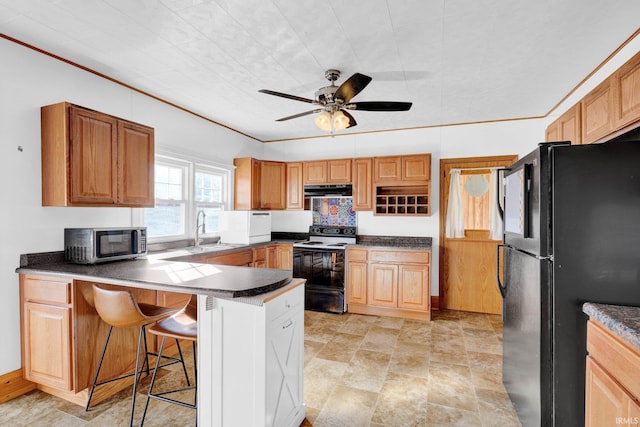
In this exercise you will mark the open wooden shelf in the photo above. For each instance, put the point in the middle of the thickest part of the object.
(403, 200)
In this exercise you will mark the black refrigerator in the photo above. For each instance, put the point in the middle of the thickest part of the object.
(571, 234)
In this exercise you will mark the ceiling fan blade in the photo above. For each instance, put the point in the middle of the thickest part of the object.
(351, 87)
(295, 116)
(352, 121)
(286, 95)
(380, 106)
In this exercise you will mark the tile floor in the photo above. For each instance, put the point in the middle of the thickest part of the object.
(359, 371)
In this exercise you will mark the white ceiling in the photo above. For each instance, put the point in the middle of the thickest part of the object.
(458, 61)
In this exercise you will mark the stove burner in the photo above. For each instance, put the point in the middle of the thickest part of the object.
(311, 243)
(337, 244)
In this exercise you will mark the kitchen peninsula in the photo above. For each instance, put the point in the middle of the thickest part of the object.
(250, 330)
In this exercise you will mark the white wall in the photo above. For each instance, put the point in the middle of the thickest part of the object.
(29, 80)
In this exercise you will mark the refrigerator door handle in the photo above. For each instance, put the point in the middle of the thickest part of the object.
(499, 191)
(501, 287)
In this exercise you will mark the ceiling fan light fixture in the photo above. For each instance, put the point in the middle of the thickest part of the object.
(340, 120)
(323, 121)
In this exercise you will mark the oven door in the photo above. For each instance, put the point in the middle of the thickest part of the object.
(323, 270)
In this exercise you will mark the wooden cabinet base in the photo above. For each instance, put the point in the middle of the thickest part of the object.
(388, 312)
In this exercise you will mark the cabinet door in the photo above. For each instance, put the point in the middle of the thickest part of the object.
(93, 157)
(568, 126)
(597, 120)
(626, 89)
(356, 286)
(605, 401)
(284, 366)
(315, 172)
(552, 134)
(416, 168)
(273, 192)
(285, 257)
(246, 194)
(413, 287)
(362, 184)
(387, 168)
(295, 196)
(383, 289)
(135, 165)
(339, 171)
(47, 345)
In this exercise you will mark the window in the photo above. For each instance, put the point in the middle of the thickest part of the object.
(183, 188)
(209, 197)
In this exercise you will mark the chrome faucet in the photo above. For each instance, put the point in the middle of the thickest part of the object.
(196, 240)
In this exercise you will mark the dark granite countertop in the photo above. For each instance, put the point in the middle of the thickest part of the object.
(159, 274)
(399, 242)
(623, 321)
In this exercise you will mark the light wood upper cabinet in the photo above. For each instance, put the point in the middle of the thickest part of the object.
(135, 164)
(259, 184)
(335, 171)
(402, 169)
(387, 168)
(362, 184)
(93, 159)
(597, 113)
(567, 127)
(273, 185)
(247, 183)
(295, 194)
(626, 93)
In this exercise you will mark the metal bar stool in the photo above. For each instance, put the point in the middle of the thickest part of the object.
(181, 326)
(118, 308)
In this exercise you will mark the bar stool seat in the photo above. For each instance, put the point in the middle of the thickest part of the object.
(118, 308)
(181, 326)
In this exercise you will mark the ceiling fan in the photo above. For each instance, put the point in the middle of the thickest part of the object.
(334, 101)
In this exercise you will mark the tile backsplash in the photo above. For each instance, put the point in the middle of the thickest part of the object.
(333, 211)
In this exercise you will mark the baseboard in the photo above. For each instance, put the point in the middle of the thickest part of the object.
(12, 385)
(435, 302)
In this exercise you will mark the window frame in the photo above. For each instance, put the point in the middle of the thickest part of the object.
(191, 165)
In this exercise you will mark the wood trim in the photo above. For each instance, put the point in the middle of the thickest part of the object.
(435, 302)
(13, 384)
(388, 312)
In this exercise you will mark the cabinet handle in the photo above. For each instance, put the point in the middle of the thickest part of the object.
(286, 325)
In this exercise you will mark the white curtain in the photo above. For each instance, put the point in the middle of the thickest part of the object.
(495, 222)
(455, 215)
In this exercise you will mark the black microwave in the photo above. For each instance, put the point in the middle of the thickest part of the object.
(93, 245)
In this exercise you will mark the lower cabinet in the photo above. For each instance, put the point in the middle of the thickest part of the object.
(256, 380)
(389, 282)
(47, 345)
(612, 387)
(63, 336)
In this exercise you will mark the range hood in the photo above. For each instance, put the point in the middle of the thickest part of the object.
(328, 190)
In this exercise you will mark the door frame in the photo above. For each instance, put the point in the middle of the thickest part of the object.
(445, 167)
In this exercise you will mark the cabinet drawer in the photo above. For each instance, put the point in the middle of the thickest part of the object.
(46, 290)
(401, 257)
(620, 360)
(240, 258)
(357, 254)
(285, 304)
